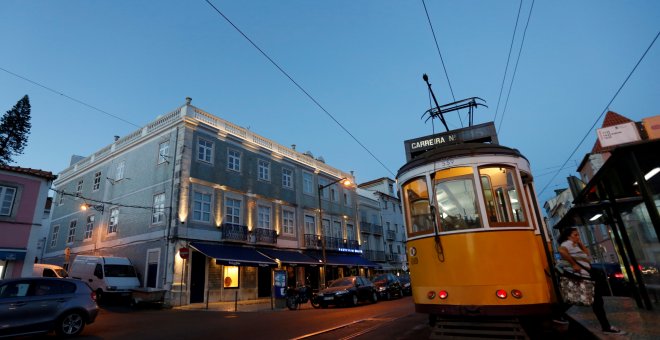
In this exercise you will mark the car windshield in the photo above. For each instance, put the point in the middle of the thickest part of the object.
(61, 272)
(346, 281)
(379, 279)
(404, 279)
(119, 270)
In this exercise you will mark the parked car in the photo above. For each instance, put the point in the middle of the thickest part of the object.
(405, 284)
(388, 286)
(48, 270)
(615, 277)
(108, 276)
(40, 305)
(348, 291)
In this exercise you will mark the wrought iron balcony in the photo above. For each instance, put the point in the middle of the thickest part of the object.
(233, 232)
(262, 235)
(313, 241)
(391, 235)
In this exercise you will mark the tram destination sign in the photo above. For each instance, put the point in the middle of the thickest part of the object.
(482, 133)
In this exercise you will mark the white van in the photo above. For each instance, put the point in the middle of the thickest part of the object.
(48, 270)
(105, 274)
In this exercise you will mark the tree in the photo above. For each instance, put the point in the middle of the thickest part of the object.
(14, 130)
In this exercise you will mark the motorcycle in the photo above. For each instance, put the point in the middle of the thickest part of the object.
(297, 296)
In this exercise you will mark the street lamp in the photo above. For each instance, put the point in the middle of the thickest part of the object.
(97, 207)
(345, 182)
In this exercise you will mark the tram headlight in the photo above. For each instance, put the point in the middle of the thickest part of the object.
(501, 293)
(516, 293)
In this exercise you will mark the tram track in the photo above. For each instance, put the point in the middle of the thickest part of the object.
(355, 328)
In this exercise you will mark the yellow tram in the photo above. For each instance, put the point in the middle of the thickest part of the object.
(476, 244)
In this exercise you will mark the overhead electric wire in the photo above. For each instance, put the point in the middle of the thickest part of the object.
(299, 86)
(602, 113)
(515, 69)
(86, 199)
(441, 59)
(508, 58)
(69, 97)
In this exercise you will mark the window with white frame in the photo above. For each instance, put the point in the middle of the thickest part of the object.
(323, 182)
(72, 231)
(336, 230)
(7, 195)
(114, 220)
(288, 222)
(232, 211)
(97, 181)
(347, 199)
(308, 183)
(350, 231)
(79, 188)
(263, 169)
(201, 207)
(163, 152)
(310, 224)
(158, 215)
(287, 178)
(333, 193)
(233, 160)
(326, 228)
(54, 236)
(119, 174)
(60, 201)
(205, 150)
(263, 217)
(89, 227)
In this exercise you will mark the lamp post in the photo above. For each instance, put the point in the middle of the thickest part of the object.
(97, 207)
(346, 182)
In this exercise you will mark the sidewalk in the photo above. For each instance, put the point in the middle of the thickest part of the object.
(240, 306)
(623, 313)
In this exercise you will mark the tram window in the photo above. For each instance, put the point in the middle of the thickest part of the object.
(501, 196)
(416, 201)
(457, 204)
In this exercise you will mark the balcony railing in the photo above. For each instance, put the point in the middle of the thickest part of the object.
(313, 241)
(262, 235)
(390, 257)
(233, 232)
(391, 235)
(374, 255)
(371, 228)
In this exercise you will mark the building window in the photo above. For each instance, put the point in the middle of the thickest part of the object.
(310, 225)
(263, 217)
(53, 238)
(287, 178)
(89, 227)
(7, 195)
(72, 231)
(97, 181)
(204, 150)
(390, 187)
(308, 183)
(333, 193)
(79, 188)
(159, 209)
(163, 152)
(60, 201)
(324, 192)
(336, 229)
(263, 169)
(201, 207)
(288, 222)
(114, 220)
(233, 160)
(398, 249)
(119, 175)
(232, 211)
(230, 275)
(350, 232)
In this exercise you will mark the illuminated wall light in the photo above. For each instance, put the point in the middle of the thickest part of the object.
(597, 216)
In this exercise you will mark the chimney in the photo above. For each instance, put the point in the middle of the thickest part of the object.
(116, 138)
(188, 100)
(293, 146)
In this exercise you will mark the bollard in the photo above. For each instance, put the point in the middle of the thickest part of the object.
(207, 299)
(236, 301)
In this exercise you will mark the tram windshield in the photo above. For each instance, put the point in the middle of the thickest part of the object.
(501, 193)
(457, 200)
(416, 201)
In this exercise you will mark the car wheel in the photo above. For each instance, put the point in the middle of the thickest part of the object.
(70, 324)
(354, 300)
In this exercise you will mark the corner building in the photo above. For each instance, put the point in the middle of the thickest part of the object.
(207, 210)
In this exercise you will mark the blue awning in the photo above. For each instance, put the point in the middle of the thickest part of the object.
(234, 255)
(288, 256)
(12, 254)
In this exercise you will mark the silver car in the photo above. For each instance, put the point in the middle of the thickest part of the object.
(40, 305)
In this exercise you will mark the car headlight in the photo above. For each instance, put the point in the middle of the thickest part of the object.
(341, 292)
(111, 288)
(406, 285)
(380, 289)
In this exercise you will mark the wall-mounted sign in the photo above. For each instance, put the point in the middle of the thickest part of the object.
(618, 134)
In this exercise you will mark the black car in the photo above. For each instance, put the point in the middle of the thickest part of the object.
(406, 285)
(388, 286)
(348, 291)
(615, 278)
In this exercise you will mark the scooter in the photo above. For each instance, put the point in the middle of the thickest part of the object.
(297, 296)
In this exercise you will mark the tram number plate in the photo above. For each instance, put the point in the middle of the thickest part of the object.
(445, 162)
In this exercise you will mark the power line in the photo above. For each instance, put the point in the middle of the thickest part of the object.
(508, 58)
(506, 103)
(299, 87)
(86, 199)
(441, 59)
(604, 110)
(69, 97)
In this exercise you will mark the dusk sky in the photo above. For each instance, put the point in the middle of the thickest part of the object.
(96, 69)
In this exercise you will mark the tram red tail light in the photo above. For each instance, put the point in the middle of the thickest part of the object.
(443, 294)
(516, 293)
(430, 295)
(501, 293)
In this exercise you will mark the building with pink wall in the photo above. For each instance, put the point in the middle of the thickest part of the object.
(23, 195)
